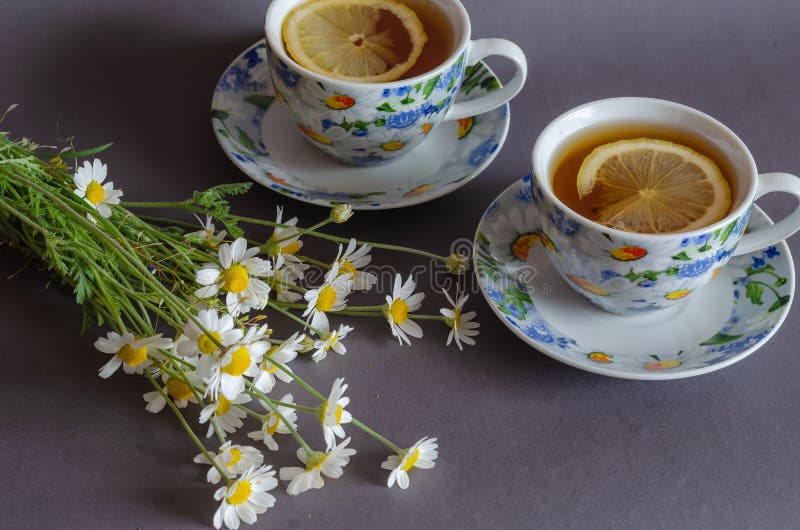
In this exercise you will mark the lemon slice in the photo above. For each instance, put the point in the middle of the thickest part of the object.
(371, 41)
(653, 186)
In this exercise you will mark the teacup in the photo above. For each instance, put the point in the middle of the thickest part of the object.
(625, 272)
(373, 123)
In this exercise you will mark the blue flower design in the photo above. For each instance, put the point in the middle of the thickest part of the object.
(479, 155)
(360, 132)
(242, 158)
(722, 254)
(252, 57)
(696, 268)
(403, 120)
(495, 295)
(645, 283)
(537, 330)
(743, 344)
(524, 194)
(771, 252)
(564, 343)
(289, 77)
(758, 262)
(327, 124)
(447, 77)
(400, 92)
(568, 227)
(607, 274)
(736, 294)
(741, 223)
(492, 207)
(701, 240)
(237, 78)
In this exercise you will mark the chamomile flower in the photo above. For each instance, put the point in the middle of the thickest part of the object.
(246, 498)
(282, 354)
(332, 414)
(402, 302)
(133, 354)
(179, 391)
(330, 296)
(421, 455)
(316, 464)
(224, 414)
(287, 243)
(239, 274)
(331, 341)
(221, 328)
(208, 236)
(273, 424)
(240, 360)
(284, 281)
(89, 186)
(463, 328)
(234, 459)
(354, 259)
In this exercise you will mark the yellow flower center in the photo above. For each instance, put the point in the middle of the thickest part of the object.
(326, 298)
(223, 406)
(235, 279)
(132, 356)
(345, 267)
(236, 455)
(411, 460)
(291, 248)
(315, 460)
(206, 345)
(456, 318)
(338, 415)
(332, 342)
(241, 493)
(399, 311)
(267, 366)
(95, 192)
(272, 429)
(178, 389)
(240, 362)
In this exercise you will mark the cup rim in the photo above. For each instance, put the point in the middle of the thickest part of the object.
(458, 49)
(736, 213)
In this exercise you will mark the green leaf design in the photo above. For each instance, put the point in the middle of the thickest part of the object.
(754, 292)
(224, 133)
(780, 282)
(672, 271)
(245, 139)
(482, 239)
(780, 302)
(704, 248)
(259, 100)
(430, 85)
(219, 114)
(720, 338)
(682, 256)
(386, 108)
(490, 84)
(726, 232)
(407, 100)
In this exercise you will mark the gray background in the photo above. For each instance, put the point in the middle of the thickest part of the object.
(525, 441)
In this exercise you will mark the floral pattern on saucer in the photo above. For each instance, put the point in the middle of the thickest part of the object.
(241, 106)
(762, 284)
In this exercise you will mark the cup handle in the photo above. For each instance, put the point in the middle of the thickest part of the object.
(764, 237)
(478, 49)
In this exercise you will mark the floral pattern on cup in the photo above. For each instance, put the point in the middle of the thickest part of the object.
(344, 123)
(621, 274)
(761, 289)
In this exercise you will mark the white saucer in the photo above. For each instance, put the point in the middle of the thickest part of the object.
(261, 139)
(742, 307)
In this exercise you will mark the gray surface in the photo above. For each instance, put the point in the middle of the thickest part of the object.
(525, 441)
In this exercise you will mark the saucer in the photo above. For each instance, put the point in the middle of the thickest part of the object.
(261, 139)
(730, 318)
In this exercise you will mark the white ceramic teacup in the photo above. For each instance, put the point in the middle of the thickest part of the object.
(372, 123)
(625, 272)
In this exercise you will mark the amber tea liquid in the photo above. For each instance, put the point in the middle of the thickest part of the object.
(573, 153)
(440, 37)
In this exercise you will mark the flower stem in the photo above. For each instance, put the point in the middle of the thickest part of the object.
(377, 436)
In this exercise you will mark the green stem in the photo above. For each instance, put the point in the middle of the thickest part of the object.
(377, 436)
(277, 412)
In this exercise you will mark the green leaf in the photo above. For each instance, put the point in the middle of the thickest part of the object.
(490, 84)
(79, 154)
(224, 133)
(723, 237)
(754, 292)
(720, 338)
(672, 271)
(632, 276)
(430, 85)
(260, 100)
(219, 114)
(682, 256)
(245, 140)
(704, 248)
(386, 108)
(780, 282)
(407, 100)
(780, 302)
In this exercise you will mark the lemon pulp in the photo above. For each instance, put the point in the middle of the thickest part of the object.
(653, 186)
(354, 40)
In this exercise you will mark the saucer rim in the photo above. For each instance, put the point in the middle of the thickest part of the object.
(622, 374)
(401, 203)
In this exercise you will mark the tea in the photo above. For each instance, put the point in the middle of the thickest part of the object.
(573, 154)
(440, 37)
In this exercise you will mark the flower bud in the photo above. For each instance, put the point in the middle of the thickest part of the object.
(307, 344)
(341, 213)
(457, 263)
